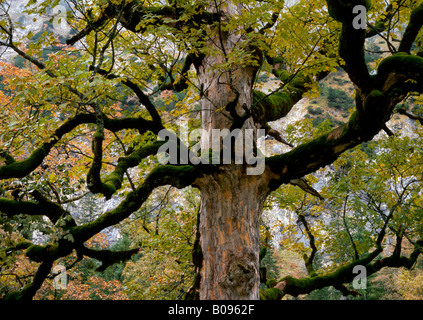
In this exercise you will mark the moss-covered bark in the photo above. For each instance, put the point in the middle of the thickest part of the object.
(413, 28)
(343, 275)
(316, 154)
(277, 105)
(351, 44)
(113, 181)
(19, 246)
(12, 208)
(20, 169)
(28, 292)
(342, 11)
(400, 74)
(107, 257)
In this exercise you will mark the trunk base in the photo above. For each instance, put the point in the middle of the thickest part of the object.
(229, 229)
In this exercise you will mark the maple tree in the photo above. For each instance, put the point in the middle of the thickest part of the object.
(77, 103)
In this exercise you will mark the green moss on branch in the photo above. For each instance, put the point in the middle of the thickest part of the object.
(401, 71)
(29, 291)
(19, 246)
(271, 294)
(107, 257)
(412, 30)
(43, 253)
(20, 169)
(342, 11)
(113, 181)
(277, 105)
(12, 208)
(343, 275)
(351, 44)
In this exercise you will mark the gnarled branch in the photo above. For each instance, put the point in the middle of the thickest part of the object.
(413, 28)
(20, 169)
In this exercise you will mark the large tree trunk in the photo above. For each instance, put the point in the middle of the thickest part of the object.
(232, 201)
(231, 206)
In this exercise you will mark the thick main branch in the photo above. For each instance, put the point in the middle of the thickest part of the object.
(20, 169)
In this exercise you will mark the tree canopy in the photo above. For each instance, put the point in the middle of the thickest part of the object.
(81, 113)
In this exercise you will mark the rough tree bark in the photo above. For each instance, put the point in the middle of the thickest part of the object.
(231, 206)
(231, 200)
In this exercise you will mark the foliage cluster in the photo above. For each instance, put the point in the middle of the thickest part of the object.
(365, 190)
